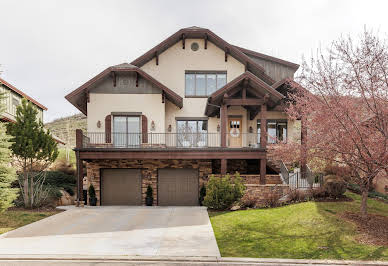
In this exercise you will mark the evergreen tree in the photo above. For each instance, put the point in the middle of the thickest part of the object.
(7, 173)
(33, 147)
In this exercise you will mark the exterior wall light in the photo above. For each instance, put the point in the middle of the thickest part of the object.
(98, 124)
(218, 128)
(169, 128)
(152, 126)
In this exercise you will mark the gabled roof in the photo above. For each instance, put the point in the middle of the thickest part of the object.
(267, 57)
(19, 92)
(78, 97)
(202, 33)
(260, 87)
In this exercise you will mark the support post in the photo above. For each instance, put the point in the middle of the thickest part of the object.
(263, 126)
(263, 142)
(303, 148)
(263, 170)
(223, 116)
(224, 166)
(80, 171)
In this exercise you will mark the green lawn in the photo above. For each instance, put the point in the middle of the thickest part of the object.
(13, 219)
(310, 230)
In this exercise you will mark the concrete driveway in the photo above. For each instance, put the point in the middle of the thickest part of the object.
(132, 231)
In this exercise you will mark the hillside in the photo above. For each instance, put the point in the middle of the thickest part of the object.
(64, 128)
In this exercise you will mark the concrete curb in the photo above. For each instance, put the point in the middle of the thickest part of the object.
(171, 259)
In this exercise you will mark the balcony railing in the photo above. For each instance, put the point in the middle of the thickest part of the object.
(166, 140)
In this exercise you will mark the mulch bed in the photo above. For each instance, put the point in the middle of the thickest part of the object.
(41, 209)
(373, 230)
(340, 199)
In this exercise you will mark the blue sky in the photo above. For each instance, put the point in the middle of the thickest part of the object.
(49, 48)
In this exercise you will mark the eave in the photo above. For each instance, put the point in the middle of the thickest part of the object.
(78, 97)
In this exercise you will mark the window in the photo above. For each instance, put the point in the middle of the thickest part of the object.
(15, 104)
(276, 131)
(191, 133)
(126, 131)
(203, 84)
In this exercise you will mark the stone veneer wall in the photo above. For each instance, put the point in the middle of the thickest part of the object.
(149, 171)
(262, 192)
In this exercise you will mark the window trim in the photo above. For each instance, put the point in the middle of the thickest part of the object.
(276, 121)
(203, 72)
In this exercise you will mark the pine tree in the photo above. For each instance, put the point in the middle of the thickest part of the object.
(7, 173)
(33, 147)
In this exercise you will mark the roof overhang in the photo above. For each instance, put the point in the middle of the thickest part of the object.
(78, 97)
(258, 87)
(201, 33)
(19, 92)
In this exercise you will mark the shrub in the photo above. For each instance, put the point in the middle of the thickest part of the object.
(248, 201)
(59, 180)
(202, 194)
(222, 192)
(297, 195)
(92, 192)
(334, 186)
(272, 200)
(318, 193)
(149, 196)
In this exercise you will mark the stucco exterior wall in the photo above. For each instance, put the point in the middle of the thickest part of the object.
(171, 72)
(101, 105)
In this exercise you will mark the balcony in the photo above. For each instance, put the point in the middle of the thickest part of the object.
(166, 140)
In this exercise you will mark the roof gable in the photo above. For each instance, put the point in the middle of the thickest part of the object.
(79, 96)
(207, 35)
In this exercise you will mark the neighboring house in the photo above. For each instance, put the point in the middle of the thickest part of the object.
(12, 97)
(192, 106)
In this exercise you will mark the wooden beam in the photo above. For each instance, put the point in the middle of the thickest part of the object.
(226, 54)
(244, 93)
(263, 126)
(87, 97)
(253, 113)
(263, 170)
(80, 177)
(221, 153)
(240, 102)
(157, 58)
(183, 40)
(224, 166)
(137, 79)
(163, 97)
(206, 40)
(223, 115)
(114, 78)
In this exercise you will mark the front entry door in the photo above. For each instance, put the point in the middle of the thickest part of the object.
(234, 133)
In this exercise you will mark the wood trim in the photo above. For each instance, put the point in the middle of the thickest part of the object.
(191, 118)
(126, 113)
(206, 72)
(239, 102)
(222, 153)
(144, 129)
(108, 129)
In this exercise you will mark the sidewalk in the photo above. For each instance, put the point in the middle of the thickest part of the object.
(157, 260)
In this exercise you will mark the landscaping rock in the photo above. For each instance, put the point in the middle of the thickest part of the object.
(235, 208)
(65, 199)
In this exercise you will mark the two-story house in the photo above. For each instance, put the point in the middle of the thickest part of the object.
(11, 98)
(192, 106)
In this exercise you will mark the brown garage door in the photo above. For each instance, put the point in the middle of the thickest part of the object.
(121, 187)
(178, 187)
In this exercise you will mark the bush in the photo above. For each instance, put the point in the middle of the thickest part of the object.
(334, 186)
(272, 200)
(202, 194)
(248, 201)
(297, 195)
(222, 192)
(63, 166)
(318, 193)
(59, 180)
(92, 192)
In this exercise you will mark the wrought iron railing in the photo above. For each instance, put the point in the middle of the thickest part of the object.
(166, 140)
(295, 179)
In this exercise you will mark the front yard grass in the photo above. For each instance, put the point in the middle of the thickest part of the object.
(12, 219)
(309, 230)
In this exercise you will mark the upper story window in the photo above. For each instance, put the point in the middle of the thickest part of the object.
(202, 83)
(276, 131)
